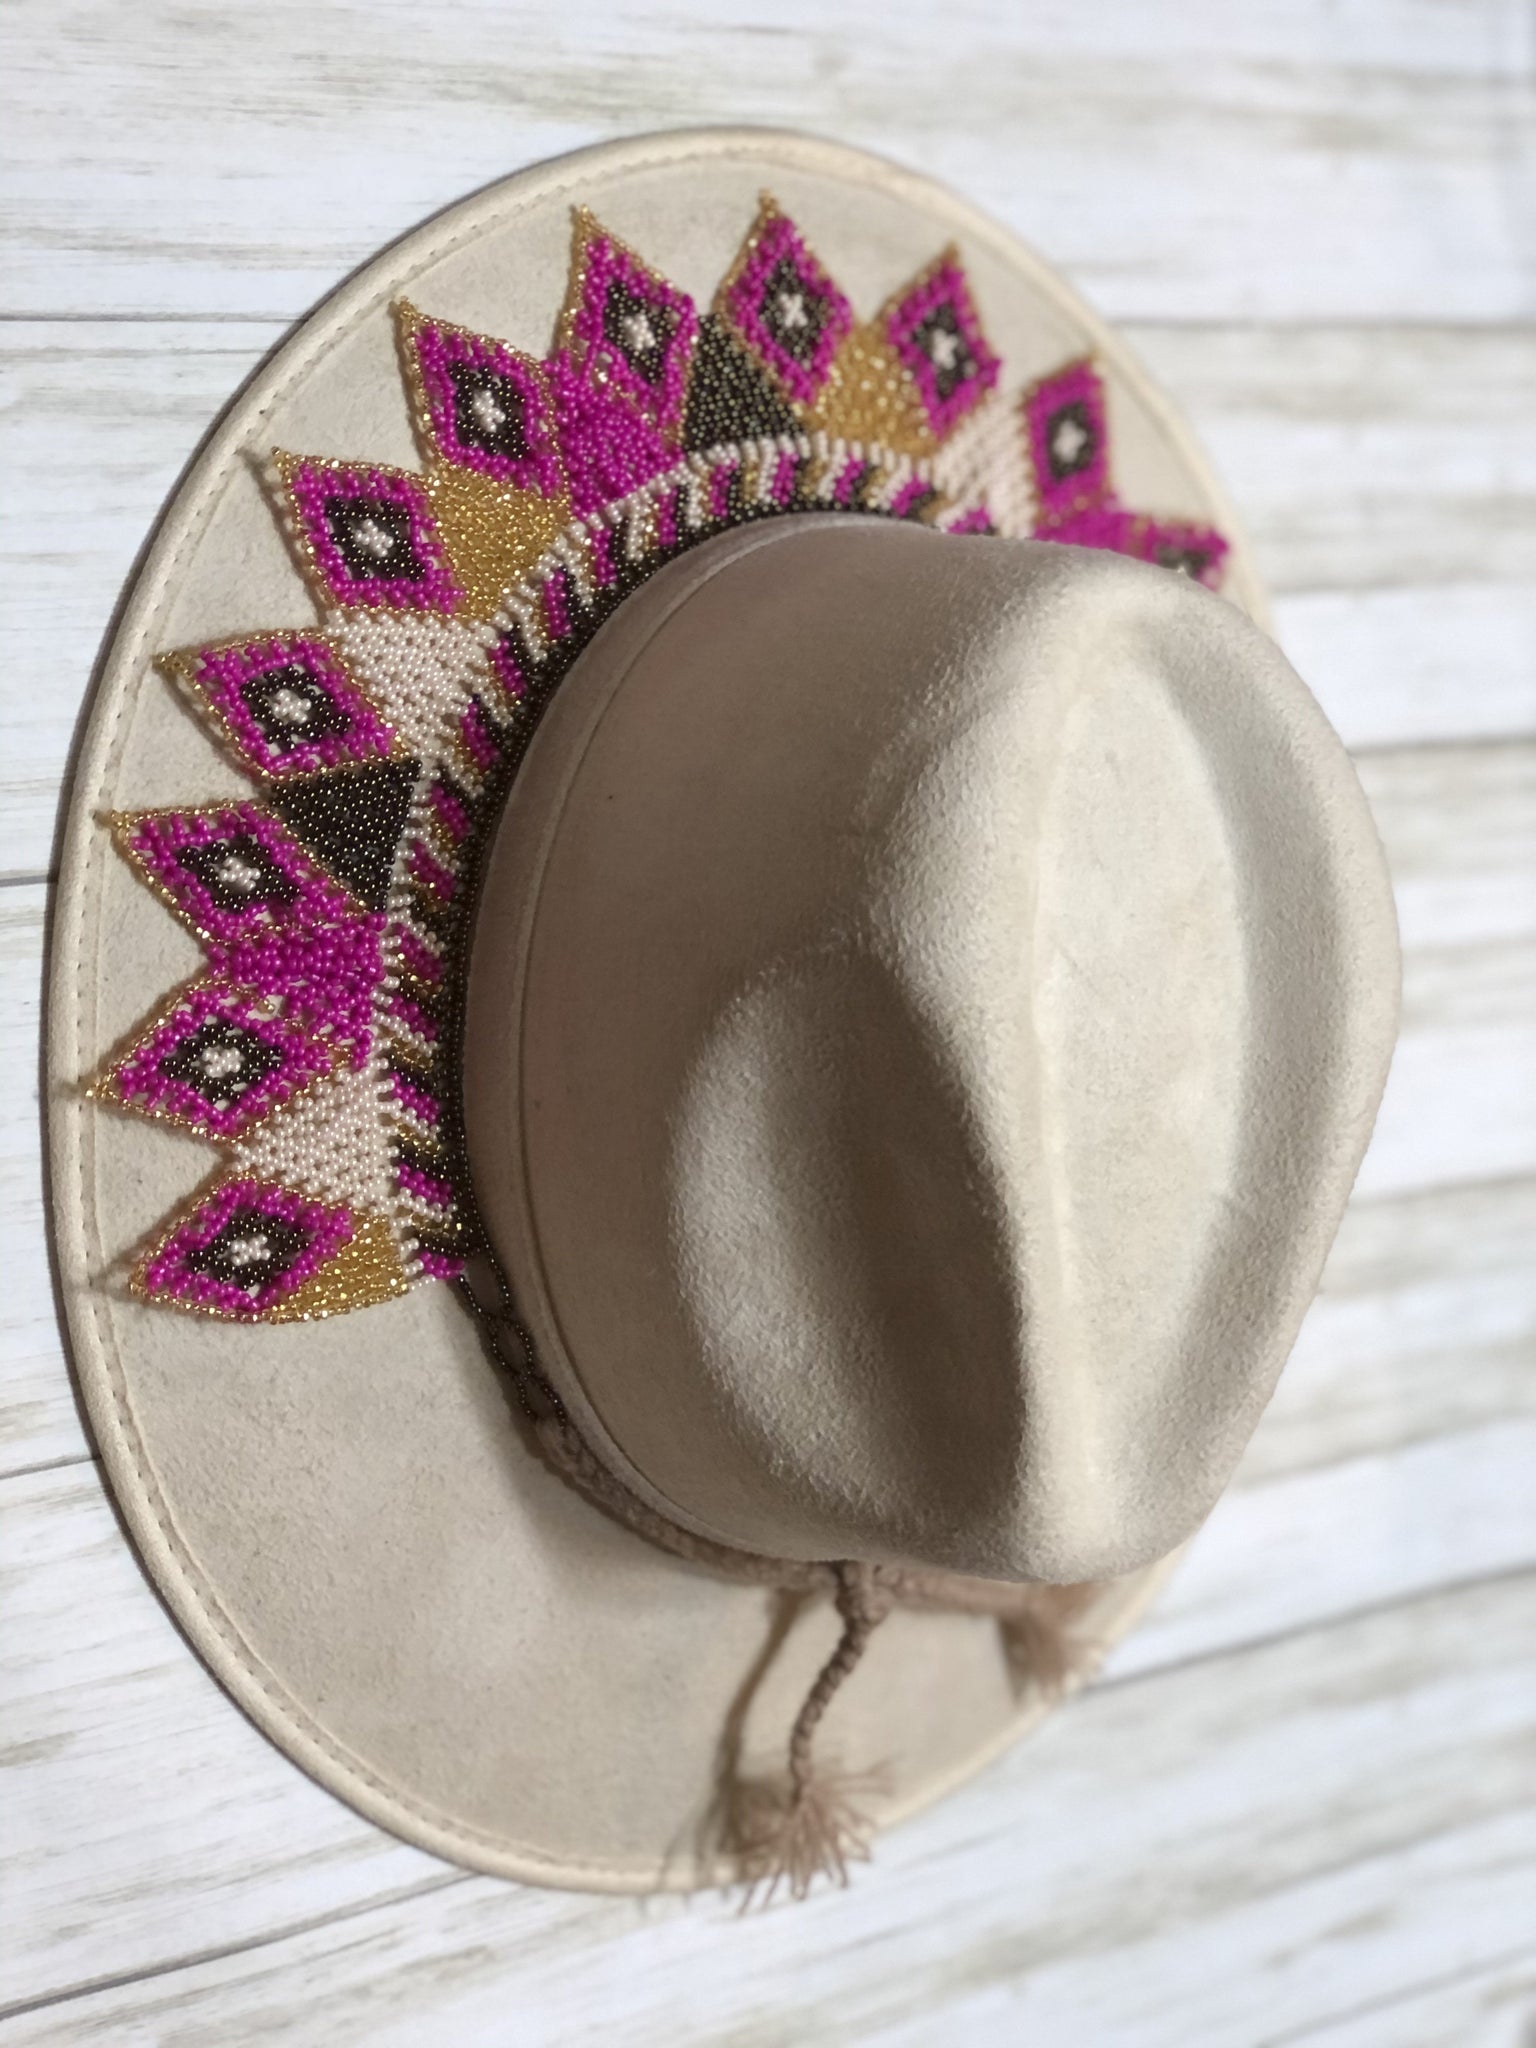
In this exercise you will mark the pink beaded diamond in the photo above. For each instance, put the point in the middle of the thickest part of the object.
(270, 919)
(786, 308)
(244, 1250)
(216, 1062)
(1068, 441)
(935, 331)
(628, 331)
(369, 535)
(231, 870)
(286, 701)
(487, 407)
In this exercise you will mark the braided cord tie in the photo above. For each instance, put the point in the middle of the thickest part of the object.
(810, 1824)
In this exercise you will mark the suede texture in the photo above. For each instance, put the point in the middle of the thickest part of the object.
(929, 1002)
(345, 1518)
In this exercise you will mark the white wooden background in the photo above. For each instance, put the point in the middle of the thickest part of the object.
(1302, 1804)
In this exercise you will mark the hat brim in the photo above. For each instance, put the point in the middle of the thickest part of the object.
(343, 1516)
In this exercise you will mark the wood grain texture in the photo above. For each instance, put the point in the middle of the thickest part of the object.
(1150, 1833)
(39, 1422)
(1301, 1807)
(1381, 148)
(1490, 2005)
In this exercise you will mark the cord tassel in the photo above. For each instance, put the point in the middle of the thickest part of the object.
(1043, 1640)
(1042, 1627)
(811, 1824)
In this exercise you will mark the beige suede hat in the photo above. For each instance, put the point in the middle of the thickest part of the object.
(757, 998)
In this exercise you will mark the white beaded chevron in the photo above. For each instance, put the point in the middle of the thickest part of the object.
(331, 1141)
(421, 671)
(986, 457)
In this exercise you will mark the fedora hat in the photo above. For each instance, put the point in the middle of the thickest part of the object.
(713, 1002)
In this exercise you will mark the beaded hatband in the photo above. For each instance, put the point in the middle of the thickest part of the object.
(319, 1048)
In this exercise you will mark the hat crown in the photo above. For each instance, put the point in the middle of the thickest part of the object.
(949, 986)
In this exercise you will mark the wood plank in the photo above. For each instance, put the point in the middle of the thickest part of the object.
(1459, 826)
(1389, 480)
(1420, 662)
(1484, 2007)
(1371, 154)
(39, 1422)
(145, 1817)
(97, 423)
(1370, 458)
(1460, 1101)
(1312, 1546)
(1141, 1873)
(1425, 1325)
